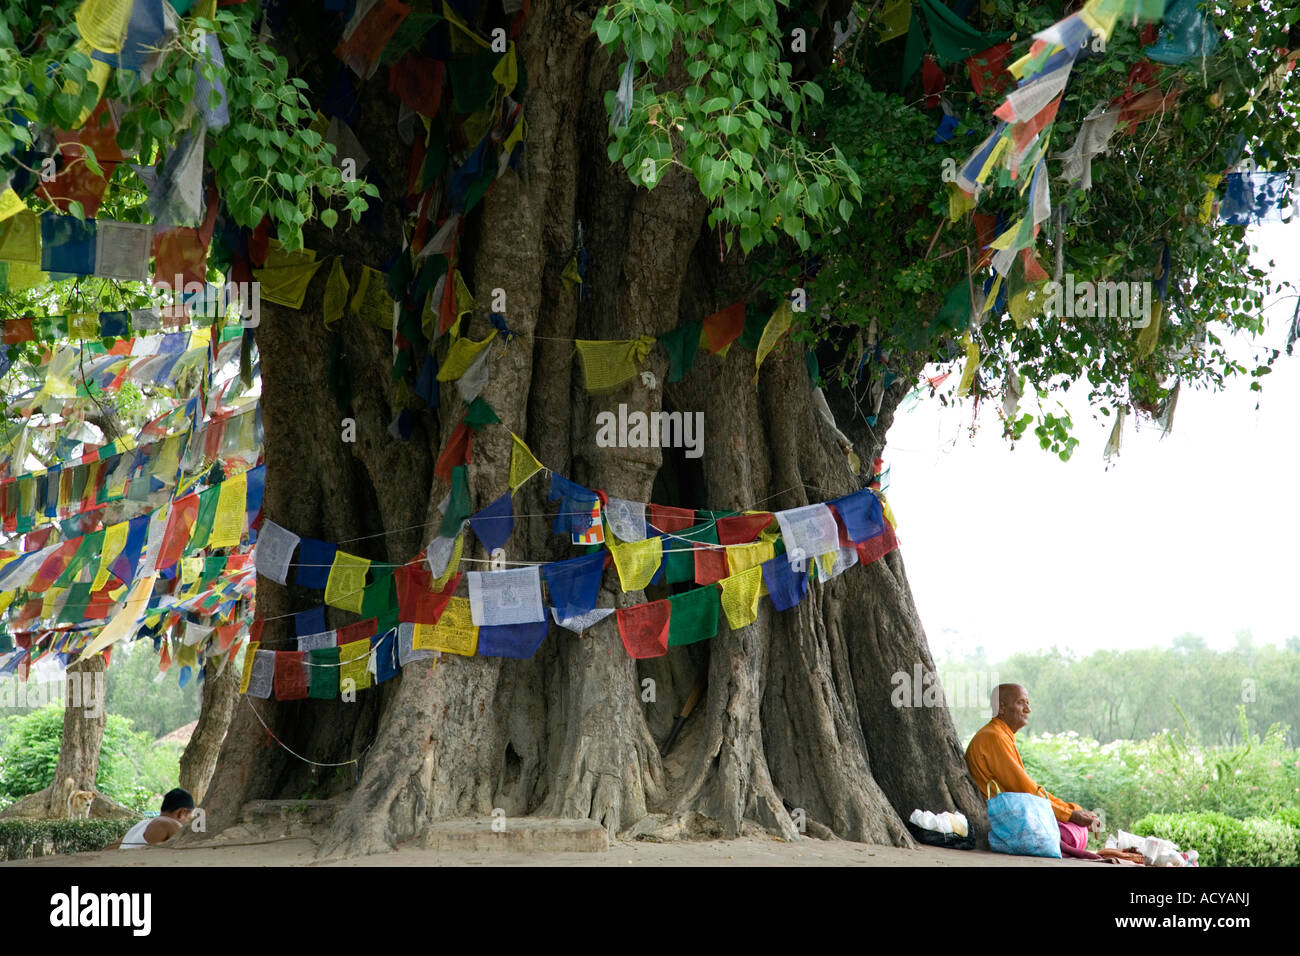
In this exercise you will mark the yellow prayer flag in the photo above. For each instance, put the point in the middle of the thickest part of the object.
(26, 275)
(893, 20)
(1206, 211)
(506, 72)
(285, 276)
(522, 463)
(83, 325)
(1149, 336)
(371, 301)
(776, 327)
(228, 522)
(114, 542)
(354, 665)
(455, 632)
(51, 601)
(187, 655)
(191, 570)
(20, 239)
(102, 23)
(972, 365)
(461, 355)
(960, 202)
(452, 563)
(126, 620)
(740, 597)
(345, 587)
(888, 512)
(608, 364)
(250, 652)
(742, 557)
(637, 561)
(336, 292)
(11, 204)
(463, 39)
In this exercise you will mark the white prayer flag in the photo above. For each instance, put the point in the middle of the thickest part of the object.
(315, 642)
(122, 250)
(262, 678)
(809, 532)
(406, 651)
(274, 551)
(580, 622)
(195, 633)
(506, 597)
(626, 519)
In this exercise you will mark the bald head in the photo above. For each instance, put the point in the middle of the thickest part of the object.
(1011, 704)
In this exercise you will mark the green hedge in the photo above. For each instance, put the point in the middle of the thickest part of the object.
(24, 839)
(1222, 841)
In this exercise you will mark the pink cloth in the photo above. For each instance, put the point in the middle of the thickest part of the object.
(1073, 835)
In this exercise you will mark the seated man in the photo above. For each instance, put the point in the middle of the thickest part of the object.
(177, 807)
(992, 755)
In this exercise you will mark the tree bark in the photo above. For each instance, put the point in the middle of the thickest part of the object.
(199, 760)
(797, 711)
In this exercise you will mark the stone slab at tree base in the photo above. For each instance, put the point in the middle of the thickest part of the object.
(537, 834)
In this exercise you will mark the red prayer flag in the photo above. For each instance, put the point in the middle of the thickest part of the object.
(665, 519)
(53, 566)
(988, 70)
(417, 82)
(877, 547)
(710, 564)
(933, 81)
(361, 50)
(417, 602)
(179, 523)
(360, 631)
(18, 330)
(456, 453)
(1033, 271)
(742, 529)
(724, 327)
(290, 675)
(644, 629)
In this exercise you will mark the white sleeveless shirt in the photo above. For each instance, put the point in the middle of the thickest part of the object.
(134, 837)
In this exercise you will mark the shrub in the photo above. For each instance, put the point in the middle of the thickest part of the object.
(1222, 841)
(24, 839)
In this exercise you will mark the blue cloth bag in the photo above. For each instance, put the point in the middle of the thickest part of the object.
(1023, 824)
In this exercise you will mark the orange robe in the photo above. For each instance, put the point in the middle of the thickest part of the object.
(992, 755)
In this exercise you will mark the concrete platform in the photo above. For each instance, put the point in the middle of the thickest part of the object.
(521, 834)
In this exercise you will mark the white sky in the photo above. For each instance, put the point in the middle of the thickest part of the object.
(1017, 551)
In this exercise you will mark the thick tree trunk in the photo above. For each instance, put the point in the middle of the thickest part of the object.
(220, 694)
(797, 712)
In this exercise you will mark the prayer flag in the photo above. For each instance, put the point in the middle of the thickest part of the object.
(457, 505)
(354, 665)
(261, 675)
(522, 463)
(740, 597)
(860, 515)
(457, 452)
(322, 673)
(406, 652)
(666, 520)
(519, 641)
(574, 585)
(492, 525)
(776, 327)
(694, 616)
(785, 585)
(722, 328)
(574, 515)
(228, 525)
(250, 654)
(455, 632)
(681, 345)
(637, 561)
(609, 364)
(315, 559)
(742, 529)
(626, 519)
(310, 621)
(418, 601)
(460, 355)
(808, 531)
(506, 597)
(290, 675)
(580, 622)
(742, 557)
(345, 586)
(274, 551)
(644, 628)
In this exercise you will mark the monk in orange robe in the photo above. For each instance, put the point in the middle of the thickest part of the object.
(993, 755)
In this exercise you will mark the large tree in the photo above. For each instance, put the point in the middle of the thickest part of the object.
(681, 157)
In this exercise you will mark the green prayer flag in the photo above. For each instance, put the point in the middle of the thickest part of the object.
(755, 323)
(203, 522)
(480, 413)
(74, 608)
(955, 311)
(693, 616)
(681, 345)
(323, 673)
(679, 556)
(953, 38)
(914, 50)
(213, 566)
(472, 82)
(459, 507)
(379, 599)
(91, 546)
(814, 368)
